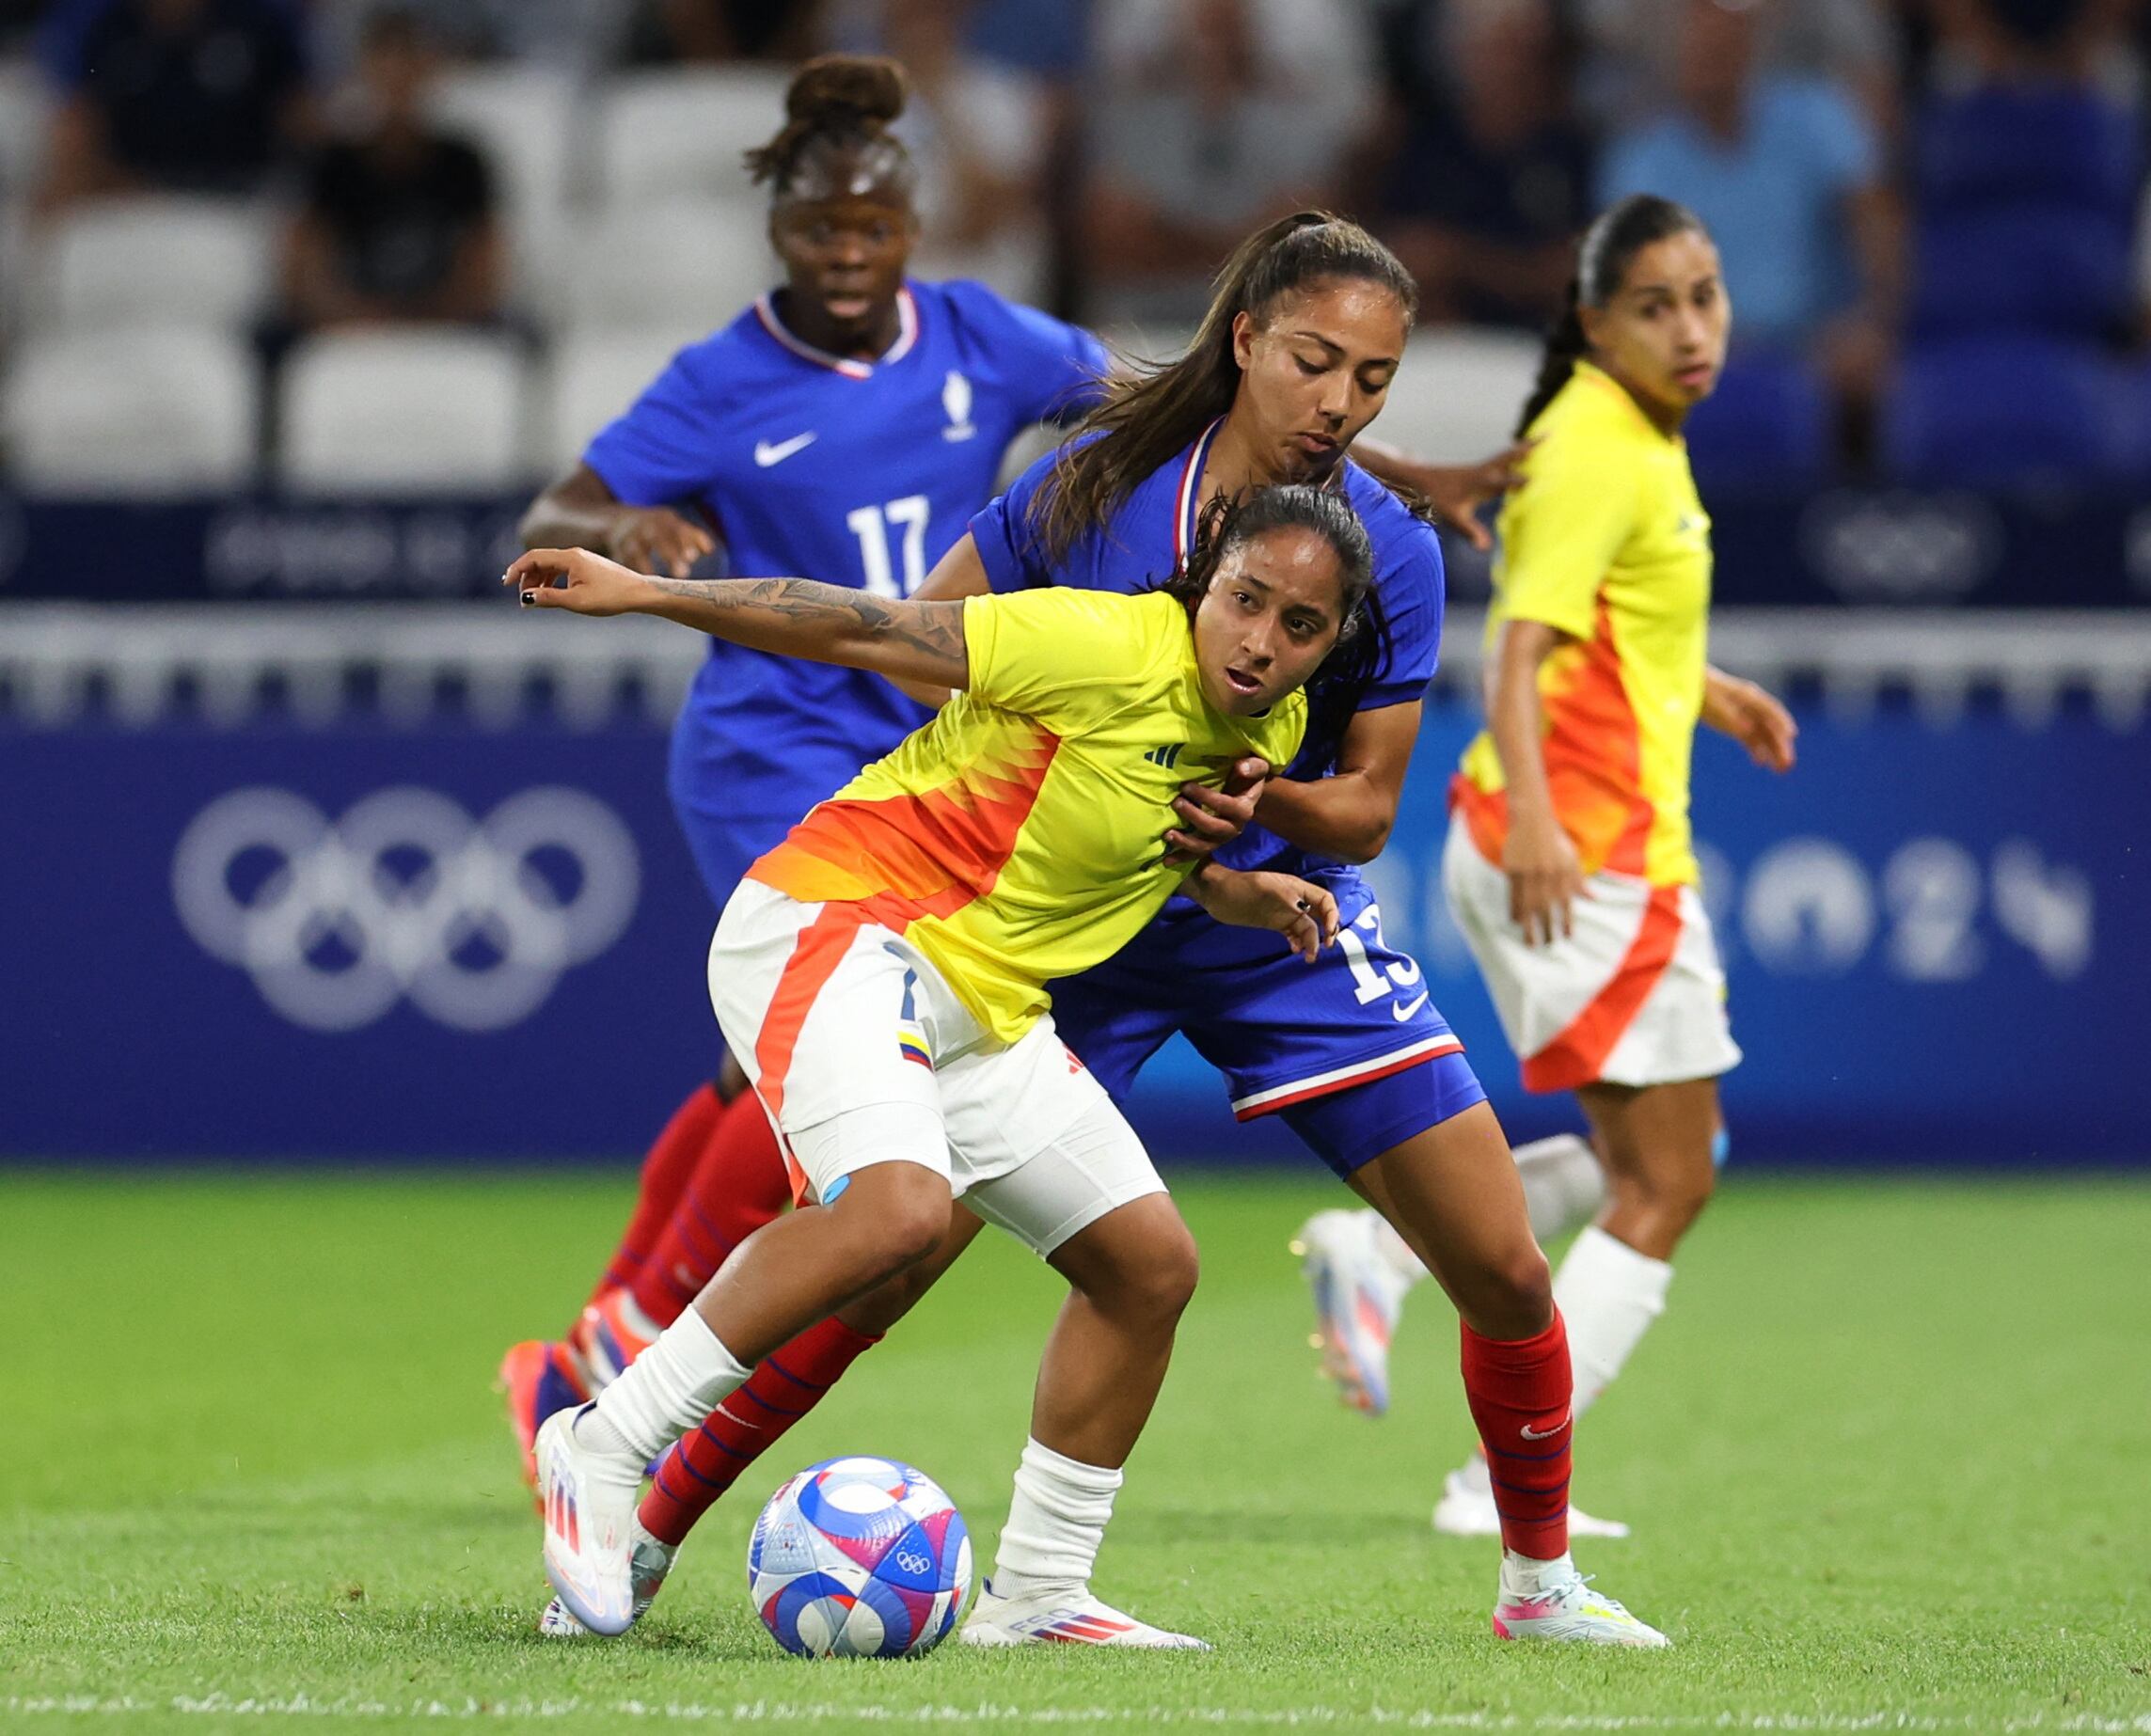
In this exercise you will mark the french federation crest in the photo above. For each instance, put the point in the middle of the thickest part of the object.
(956, 402)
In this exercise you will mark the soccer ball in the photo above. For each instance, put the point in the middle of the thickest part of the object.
(860, 1558)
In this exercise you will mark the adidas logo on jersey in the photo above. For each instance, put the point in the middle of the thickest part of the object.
(1167, 757)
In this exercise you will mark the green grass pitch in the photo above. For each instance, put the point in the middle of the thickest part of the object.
(1887, 1458)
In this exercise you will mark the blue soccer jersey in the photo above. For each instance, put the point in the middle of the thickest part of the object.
(1339, 1048)
(829, 467)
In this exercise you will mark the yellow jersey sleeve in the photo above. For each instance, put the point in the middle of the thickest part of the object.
(1068, 658)
(1562, 530)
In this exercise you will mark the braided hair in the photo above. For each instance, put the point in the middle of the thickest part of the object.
(837, 104)
(1608, 248)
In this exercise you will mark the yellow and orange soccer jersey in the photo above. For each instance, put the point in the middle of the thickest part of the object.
(1607, 542)
(1016, 838)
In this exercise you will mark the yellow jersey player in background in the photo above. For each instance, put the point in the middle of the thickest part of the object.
(882, 975)
(1570, 866)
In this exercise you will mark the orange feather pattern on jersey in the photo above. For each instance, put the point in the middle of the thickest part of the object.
(1594, 757)
(912, 855)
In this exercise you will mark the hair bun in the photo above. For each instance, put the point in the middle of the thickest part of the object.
(871, 87)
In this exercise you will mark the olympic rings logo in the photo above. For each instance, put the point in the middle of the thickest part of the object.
(406, 896)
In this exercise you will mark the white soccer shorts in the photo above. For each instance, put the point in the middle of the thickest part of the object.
(1633, 996)
(862, 1053)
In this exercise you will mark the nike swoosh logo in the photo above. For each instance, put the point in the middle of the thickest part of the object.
(1401, 1013)
(1530, 1433)
(766, 455)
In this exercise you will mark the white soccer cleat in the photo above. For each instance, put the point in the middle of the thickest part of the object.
(652, 1561)
(1358, 1295)
(1467, 1509)
(1551, 1601)
(588, 1501)
(1059, 1617)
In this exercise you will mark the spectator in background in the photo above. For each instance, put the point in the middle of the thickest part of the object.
(670, 31)
(1489, 183)
(397, 222)
(1210, 117)
(1787, 171)
(177, 95)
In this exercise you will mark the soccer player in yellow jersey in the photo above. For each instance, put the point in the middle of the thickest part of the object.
(1569, 864)
(881, 972)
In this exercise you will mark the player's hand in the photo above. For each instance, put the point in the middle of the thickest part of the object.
(656, 540)
(1213, 818)
(1299, 910)
(1756, 719)
(574, 578)
(1456, 492)
(1545, 878)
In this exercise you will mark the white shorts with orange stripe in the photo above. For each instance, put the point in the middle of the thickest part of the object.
(1633, 996)
(862, 1053)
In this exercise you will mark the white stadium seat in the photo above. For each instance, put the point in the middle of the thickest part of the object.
(1457, 394)
(26, 113)
(138, 413)
(527, 122)
(403, 412)
(153, 259)
(596, 375)
(681, 265)
(666, 135)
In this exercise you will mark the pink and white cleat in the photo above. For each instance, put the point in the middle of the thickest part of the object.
(652, 1561)
(1551, 1601)
(1058, 1616)
(1359, 1295)
(587, 1499)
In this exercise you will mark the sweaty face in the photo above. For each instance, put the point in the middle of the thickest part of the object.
(1316, 370)
(1270, 615)
(1664, 332)
(843, 257)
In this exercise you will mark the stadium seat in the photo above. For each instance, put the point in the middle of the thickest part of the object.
(2021, 267)
(26, 111)
(595, 376)
(681, 134)
(1766, 426)
(153, 259)
(132, 413)
(403, 412)
(526, 122)
(2007, 412)
(1457, 394)
(2050, 144)
(681, 265)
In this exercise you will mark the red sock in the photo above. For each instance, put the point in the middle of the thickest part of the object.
(1519, 1391)
(701, 1466)
(739, 1185)
(665, 1174)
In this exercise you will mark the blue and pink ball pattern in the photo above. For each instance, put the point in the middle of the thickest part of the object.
(860, 1558)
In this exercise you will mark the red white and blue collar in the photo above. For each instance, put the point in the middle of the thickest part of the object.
(1187, 503)
(848, 366)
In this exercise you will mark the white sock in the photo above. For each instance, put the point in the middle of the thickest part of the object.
(1610, 1294)
(667, 1391)
(1563, 1185)
(1055, 1523)
(1522, 1575)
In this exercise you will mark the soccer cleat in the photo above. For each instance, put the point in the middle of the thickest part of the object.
(538, 1378)
(1358, 1297)
(1467, 1509)
(611, 1334)
(1060, 1617)
(652, 1561)
(1551, 1601)
(588, 1502)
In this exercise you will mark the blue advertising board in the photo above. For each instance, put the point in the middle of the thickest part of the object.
(368, 942)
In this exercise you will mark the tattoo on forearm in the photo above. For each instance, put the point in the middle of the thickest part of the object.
(935, 629)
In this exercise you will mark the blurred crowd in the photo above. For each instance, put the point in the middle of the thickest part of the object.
(1910, 195)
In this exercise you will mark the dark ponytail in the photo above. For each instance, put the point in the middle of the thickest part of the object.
(1159, 411)
(1608, 248)
(836, 101)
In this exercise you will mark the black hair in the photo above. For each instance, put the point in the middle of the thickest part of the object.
(1154, 413)
(1362, 648)
(1608, 248)
(838, 103)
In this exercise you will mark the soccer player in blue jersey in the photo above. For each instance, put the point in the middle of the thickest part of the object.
(1305, 333)
(846, 426)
